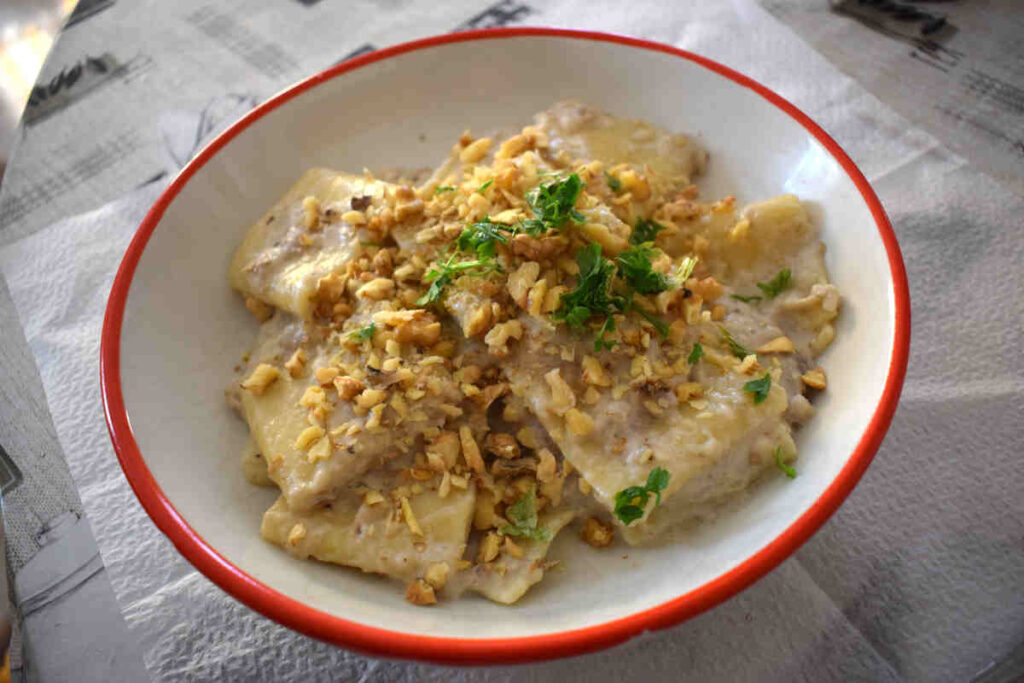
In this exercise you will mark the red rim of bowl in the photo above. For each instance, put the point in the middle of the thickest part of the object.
(377, 641)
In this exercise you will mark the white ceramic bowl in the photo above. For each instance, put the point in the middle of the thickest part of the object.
(174, 330)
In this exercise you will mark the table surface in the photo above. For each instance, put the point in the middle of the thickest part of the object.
(99, 130)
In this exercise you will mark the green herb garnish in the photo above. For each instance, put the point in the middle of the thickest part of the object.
(759, 388)
(614, 183)
(696, 353)
(483, 188)
(443, 273)
(645, 231)
(635, 268)
(482, 237)
(600, 342)
(364, 333)
(774, 287)
(660, 325)
(591, 296)
(745, 299)
(523, 517)
(631, 502)
(685, 269)
(737, 349)
(444, 188)
(789, 471)
(553, 204)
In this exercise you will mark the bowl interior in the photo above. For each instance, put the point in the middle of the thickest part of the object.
(184, 329)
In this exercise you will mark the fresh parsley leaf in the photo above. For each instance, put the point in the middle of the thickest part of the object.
(695, 354)
(614, 183)
(759, 388)
(523, 517)
(789, 471)
(600, 342)
(591, 296)
(657, 480)
(483, 188)
(660, 325)
(553, 203)
(482, 237)
(631, 502)
(364, 333)
(443, 273)
(444, 188)
(737, 349)
(645, 231)
(635, 268)
(745, 299)
(774, 287)
(685, 269)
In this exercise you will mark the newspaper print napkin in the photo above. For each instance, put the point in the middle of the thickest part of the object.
(918, 575)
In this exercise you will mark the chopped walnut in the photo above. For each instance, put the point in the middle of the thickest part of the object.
(470, 450)
(497, 338)
(377, 289)
(308, 436)
(594, 373)
(475, 151)
(445, 451)
(521, 280)
(297, 533)
(814, 378)
(547, 467)
(258, 309)
(562, 398)
(296, 365)
(578, 422)
(437, 575)
(777, 345)
(325, 375)
(371, 397)
(489, 548)
(348, 387)
(420, 593)
(410, 517)
(510, 548)
(597, 534)
(502, 445)
(261, 378)
(478, 321)
(485, 515)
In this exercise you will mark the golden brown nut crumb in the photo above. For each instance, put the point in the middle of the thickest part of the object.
(420, 593)
(377, 289)
(777, 345)
(297, 533)
(814, 378)
(372, 497)
(502, 445)
(348, 387)
(470, 450)
(485, 516)
(371, 397)
(489, 548)
(562, 398)
(410, 517)
(748, 365)
(578, 422)
(445, 451)
(597, 534)
(258, 309)
(437, 575)
(261, 378)
(325, 375)
(307, 437)
(296, 365)
(594, 373)
(510, 548)
(475, 151)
